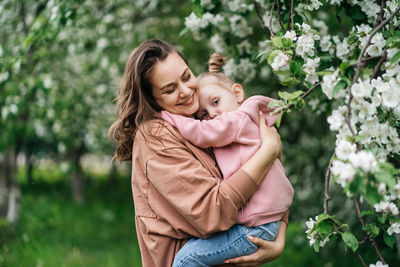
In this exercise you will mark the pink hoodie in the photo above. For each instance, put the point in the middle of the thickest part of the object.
(235, 137)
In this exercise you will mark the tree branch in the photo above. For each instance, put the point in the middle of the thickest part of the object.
(357, 206)
(380, 26)
(327, 180)
(258, 12)
(306, 93)
(380, 14)
(291, 14)
(270, 18)
(279, 16)
(380, 62)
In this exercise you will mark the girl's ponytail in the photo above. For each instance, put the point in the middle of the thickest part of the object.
(216, 61)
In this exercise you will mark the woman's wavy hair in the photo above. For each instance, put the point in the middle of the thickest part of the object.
(135, 102)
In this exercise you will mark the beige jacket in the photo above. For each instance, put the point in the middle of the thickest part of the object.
(178, 193)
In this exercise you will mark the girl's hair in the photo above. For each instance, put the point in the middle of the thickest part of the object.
(135, 102)
(215, 62)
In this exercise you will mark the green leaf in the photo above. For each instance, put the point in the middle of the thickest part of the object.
(296, 67)
(385, 177)
(372, 195)
(289, 81)
(350, 240)
(395, 58)
(272, 56)
(274, 103)
(287, 43)
(325, 72)
(382, 218)
(339, 86)
(316, 245)
(390, 240)
(343, 67)
(323, 217)
(277, 42)
(282, 72)
(372, 228)
(367, 213)
(197, 8)
(278, 120)
(324, 228)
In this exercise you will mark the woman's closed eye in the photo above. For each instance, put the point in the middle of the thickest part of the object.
(187, 77)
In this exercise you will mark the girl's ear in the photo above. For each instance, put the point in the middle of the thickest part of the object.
(238, 92)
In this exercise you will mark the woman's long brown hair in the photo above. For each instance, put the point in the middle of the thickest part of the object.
(135, 102)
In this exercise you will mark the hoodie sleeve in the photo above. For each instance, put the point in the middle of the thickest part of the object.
(255, 103)
(218, 132)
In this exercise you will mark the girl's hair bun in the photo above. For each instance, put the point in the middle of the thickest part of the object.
(216, 61)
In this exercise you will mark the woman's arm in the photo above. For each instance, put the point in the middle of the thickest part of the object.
(267, 250)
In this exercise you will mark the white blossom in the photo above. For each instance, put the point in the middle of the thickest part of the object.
(312, 5)
(305, 46)
(290, 35)
(361, 88)
(394, 228)
(344, 171)
(218, 44)
(364, 160)
(280, 60)
(325, 43)
(344, 149)
(239, 26)
(378, 264)
(329, 82)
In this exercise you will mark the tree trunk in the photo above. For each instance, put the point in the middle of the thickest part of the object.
(10, 193)
(113, 175)
(77, 178)
(29, 166)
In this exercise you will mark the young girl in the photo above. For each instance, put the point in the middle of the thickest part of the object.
(229, 124)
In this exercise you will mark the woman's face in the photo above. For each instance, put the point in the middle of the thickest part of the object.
(174, 86)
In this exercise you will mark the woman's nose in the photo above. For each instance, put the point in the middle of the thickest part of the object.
(184, 91)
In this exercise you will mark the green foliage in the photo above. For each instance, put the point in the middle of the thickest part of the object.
(350, 240)
(53, 231)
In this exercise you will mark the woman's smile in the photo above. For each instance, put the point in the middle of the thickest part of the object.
(188, 102)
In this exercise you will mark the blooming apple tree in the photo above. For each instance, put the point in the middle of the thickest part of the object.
(356, 69)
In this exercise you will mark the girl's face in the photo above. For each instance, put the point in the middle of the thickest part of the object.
(215, 99)
(174, 86)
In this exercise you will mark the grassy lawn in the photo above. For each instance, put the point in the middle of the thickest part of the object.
(53, 231)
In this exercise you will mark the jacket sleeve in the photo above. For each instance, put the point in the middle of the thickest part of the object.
(207, 203)
(256, 103)
(218, 132)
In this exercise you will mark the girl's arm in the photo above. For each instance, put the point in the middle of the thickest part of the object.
(222, 130)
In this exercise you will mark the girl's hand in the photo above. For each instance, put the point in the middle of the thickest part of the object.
(269, 137)
(267, 250)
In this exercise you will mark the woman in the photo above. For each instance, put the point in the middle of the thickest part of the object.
(177, 188)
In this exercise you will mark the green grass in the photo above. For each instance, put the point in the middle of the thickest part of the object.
(53, 231)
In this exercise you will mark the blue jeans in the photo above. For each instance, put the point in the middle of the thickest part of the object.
(223, 245)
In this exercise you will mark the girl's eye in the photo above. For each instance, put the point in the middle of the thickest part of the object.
(215, 102)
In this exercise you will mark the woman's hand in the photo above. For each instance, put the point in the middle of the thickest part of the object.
(269, 137)
(260, 163)
(267, 250)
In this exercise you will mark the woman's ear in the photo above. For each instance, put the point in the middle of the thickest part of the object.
(238, 92)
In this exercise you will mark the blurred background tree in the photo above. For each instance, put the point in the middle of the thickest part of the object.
(62, 201)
